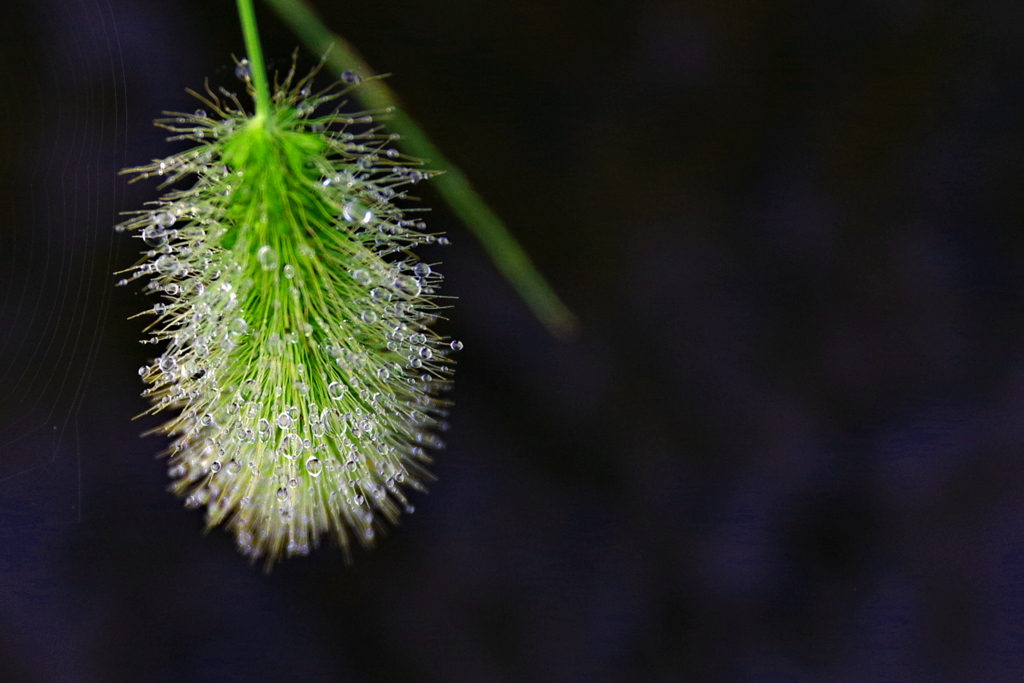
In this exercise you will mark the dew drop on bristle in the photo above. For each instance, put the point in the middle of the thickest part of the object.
(267, 257)
(154, 236)
(163, 220)
(314, 467)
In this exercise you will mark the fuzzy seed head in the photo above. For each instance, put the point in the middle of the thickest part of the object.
(299, 365)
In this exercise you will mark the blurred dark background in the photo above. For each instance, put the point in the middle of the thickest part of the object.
(788, 445)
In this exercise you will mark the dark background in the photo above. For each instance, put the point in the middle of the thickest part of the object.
(788, 445)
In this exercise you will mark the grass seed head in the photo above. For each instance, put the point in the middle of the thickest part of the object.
(299, 366)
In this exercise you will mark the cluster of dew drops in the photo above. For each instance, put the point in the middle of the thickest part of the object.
(263, 456)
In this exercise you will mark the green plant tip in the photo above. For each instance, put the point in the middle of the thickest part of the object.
(300, 366)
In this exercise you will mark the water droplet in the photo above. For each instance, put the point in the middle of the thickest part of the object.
(154, 236)
(163, 219)
(291, 446)
(243, 71)
(408, 285)
(274, 344)
(267, 257)
(367, 217)
(361, 276)
(314, 467)
(215, 467)
(165, 264)
(284, 420)
(456, 345)
(234, 467)
(239, 326)
(369, 317)
(282, 494)
(421, 270)
(426, 353)
(384, 374)
(289, 271)
(336, 390)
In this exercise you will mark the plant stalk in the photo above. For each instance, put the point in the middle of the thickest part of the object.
(452, 184)
(257, 68)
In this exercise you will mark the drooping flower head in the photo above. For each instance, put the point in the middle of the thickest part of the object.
(299, 364)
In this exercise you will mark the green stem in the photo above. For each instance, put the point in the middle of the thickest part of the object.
(452, 184)
(247, 15)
